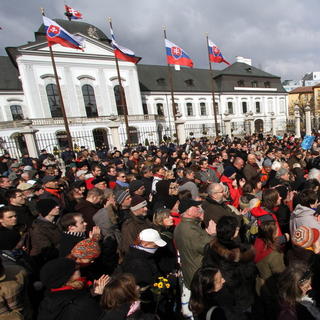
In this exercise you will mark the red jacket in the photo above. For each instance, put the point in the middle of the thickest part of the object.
(235, 194)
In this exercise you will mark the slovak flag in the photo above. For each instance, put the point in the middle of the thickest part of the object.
(57, 35)
(176, 55)
(123, 53)
(215, 54)
(72, 13)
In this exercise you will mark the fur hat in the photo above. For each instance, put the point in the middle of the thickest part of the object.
(57, 272)
(86, 249)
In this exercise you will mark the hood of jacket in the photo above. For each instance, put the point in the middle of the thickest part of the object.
(302, 211)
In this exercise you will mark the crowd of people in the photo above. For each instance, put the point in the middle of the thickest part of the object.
(211, 229)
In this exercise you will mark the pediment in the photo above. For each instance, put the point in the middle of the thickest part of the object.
(92, 47)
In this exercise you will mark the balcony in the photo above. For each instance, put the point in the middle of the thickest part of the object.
(78, 120)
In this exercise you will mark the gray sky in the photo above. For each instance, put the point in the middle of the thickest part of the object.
(280, 36)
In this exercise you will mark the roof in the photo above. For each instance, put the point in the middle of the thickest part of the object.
(154, 78)
(9, 75)
(308, 89)
(243, 69)
(75, 26)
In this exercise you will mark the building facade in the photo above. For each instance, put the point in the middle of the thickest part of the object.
(90, 90)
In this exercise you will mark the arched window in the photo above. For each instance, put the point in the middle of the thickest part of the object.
(117, 95)
(160, 110)
(230, 107)
(16, 112)
(54, 101)
(203, 109)
(89, 101)
(189, 109)
(244, 107)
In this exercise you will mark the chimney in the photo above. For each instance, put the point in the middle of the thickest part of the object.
(243, 60)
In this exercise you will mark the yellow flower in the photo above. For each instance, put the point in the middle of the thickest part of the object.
(155, 284)
(167, 285)
(160, 278)
(165, 280)
(160, 285)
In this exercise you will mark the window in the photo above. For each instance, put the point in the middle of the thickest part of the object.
(145, 108)
(267, 84)
(62, 139)
(160, 111)
(189, 109)
(230, 107)
(240, 83)
(244, 107)
(270, 105)
(282, 105)
(117, 95)
(258, 109)
(203, 109)
(16, 112)
(254, 84)
(189, 82)
(89, 101)
(161, 81)
(54, 101)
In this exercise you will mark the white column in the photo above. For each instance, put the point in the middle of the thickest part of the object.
(297, 118)
(227, 124)
(308, 120)
(273, 124)
(30, 139)
(181, 135)
(114, 128)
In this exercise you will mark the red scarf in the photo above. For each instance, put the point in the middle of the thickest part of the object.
(64, 288)
(55, 192)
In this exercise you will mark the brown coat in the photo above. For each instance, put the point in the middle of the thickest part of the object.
(251, 171)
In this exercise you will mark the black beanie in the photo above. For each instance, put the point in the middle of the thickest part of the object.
(57, 272)
(44, 206)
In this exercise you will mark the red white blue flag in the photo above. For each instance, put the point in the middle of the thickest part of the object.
(57, 35)
(72, 13)
(215, 54)
(176, 55)
(123, 53)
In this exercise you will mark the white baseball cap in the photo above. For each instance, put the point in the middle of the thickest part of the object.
(152, 235)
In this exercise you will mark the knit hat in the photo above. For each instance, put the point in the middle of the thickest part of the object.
(267, 163)
(185, 204)
(86, 249)
(44, 206)
(305, 236)
(135, 185)
(57, 272)
(47, 179)
(138, 202)
(121, 196)
(229, 171)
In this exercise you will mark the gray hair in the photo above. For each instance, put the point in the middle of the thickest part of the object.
(212, 188)
(314, 174)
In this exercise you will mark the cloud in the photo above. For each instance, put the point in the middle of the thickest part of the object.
(281, 36)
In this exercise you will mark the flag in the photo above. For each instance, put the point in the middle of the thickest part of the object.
(307, 142)
(56, 34)
(176, 55)
(215, 54)
(72, 13)
(123, 53)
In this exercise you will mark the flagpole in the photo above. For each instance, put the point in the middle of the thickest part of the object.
(122, 95)
(64, 115)
(212, 90)
(170, 77)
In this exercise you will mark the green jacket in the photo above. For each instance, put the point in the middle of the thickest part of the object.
(190, 240)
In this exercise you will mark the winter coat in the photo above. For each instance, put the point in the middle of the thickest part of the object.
(68, 241)
(190, 240)
(235, 261)
(130, 230)
(45, 238)
(88, 210)
(69, 305)
(303, 216)
(24, 216)
(268, 261)
(141, 265)
(208, 176)
(192, 187)
(235, 193)
(214, 211)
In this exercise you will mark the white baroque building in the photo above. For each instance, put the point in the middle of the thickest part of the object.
(89, 83)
